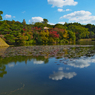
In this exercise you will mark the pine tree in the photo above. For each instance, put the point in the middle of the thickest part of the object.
(24, 22)
(1, 12)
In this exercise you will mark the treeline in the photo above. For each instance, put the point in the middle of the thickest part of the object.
(17, 33)
(20, 33)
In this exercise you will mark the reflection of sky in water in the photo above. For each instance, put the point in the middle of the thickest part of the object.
(44, 79)
(60, 74)
(38, 62)
(11, 65)
(81, 62)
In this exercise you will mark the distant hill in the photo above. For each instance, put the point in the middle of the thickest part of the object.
(3, 43)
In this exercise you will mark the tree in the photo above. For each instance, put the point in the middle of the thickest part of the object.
(80, 31)
(39, 25)
(72, 36)
(1, 12)
(65, 34)
(44, 36)
(10, 39)
(60, 26)
(45, 21)
(24, 22)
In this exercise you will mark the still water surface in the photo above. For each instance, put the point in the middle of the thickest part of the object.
(47, 70)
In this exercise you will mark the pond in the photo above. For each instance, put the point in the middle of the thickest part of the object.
(47, 70)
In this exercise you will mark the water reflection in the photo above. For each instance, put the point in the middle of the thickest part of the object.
(30, 70)
(2, 70)
(81, 62)
(72, 56)
(60, 75)
(38, 62)
(10, 65)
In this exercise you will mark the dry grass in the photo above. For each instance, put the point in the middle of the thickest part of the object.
(85, 39)
(3, 43)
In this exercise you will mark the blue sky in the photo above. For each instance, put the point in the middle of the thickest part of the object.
(56, 11)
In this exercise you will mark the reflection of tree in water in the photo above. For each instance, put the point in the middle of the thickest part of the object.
(20, 54)
(2, 69)
(80, 51)
(5, 61)
(41, 58)
(16, 59)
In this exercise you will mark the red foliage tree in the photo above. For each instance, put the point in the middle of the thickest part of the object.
(54, 34)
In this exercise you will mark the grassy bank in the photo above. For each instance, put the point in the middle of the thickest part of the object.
(3, 43)
(85, 40)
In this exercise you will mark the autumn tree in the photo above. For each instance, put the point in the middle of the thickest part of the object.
(44, 36)
(65, 34)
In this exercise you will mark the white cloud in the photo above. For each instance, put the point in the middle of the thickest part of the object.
(80, 16)
(51, 23)
(23, 11)
(60, 75)
(13, 16)
(61, 22)
(38, 62)
(77, 14)
(61, 3)
(35, 19)
(60, 10)
(7, 16)
(68, 9)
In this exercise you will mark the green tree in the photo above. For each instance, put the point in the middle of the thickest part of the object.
(39, 25)
(60, 26)
(1, 12)
(5, 28)
(45, 22)
(24, 22)
(80, 31)
(72, 36)
(10, 39)
(37, 38)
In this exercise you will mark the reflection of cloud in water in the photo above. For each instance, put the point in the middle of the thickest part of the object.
(60, 75)
(67, 68)
(38, 62)
(82, 62)
(60, 68)
(10, 65)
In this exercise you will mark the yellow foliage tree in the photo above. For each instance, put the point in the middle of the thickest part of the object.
(65, 34)
(44, 36)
